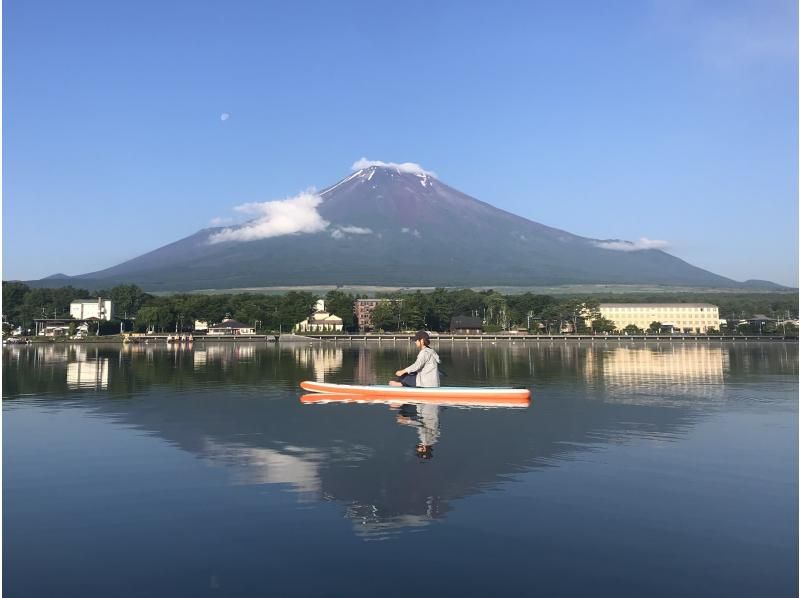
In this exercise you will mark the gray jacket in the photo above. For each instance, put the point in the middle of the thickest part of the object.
(427, 368)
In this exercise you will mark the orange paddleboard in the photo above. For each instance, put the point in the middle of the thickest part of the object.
(324, 399)
(445, 394)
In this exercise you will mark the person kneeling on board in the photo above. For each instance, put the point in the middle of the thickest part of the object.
(424, 372)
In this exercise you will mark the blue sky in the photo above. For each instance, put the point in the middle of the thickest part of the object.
(667, 120)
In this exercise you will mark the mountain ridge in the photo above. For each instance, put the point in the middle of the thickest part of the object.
(386, 227)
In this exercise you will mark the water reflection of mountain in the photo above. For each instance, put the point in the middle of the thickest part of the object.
(246, 415)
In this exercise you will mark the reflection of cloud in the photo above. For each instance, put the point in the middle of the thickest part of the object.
(276, 218)
(640, 245)
(296, 466)
(370, 524)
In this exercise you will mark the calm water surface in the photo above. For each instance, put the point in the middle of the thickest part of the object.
(637, 470)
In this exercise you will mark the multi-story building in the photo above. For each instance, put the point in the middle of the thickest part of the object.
(682, 317)
(364, 309)
(83, 309)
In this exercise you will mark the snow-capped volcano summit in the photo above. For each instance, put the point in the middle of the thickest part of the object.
(395, 224)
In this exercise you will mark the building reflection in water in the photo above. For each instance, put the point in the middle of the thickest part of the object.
(85, 369)
(200, 358)
(88, 374)
(364, 370)
(660, 371)
(364, 458)
(223, 353)
(322, 359)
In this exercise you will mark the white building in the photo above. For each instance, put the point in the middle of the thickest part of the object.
(320, 321)
(682, 317)
(229, 327)
(83, 309)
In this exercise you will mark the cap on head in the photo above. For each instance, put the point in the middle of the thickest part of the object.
(423, 336)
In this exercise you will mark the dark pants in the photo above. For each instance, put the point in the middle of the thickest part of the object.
(407, 379)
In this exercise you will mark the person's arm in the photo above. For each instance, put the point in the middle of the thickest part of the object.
(416, 366)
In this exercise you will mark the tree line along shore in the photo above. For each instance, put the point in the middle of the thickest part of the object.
(138, 311)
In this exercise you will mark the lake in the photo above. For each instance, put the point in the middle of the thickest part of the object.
(637, 470)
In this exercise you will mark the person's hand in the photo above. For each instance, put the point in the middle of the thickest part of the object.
(399, 373)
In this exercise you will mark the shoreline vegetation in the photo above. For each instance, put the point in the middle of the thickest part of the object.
(567, 289)
(137, 311)
(479, 338)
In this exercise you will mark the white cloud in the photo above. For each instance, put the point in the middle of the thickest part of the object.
(640, 245)
(224, 116)
(218, 221)
(356, 230)
(408, 167)
(340, 232)
(408, 231)
(276, 218)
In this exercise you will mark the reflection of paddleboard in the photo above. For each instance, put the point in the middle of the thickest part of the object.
(405, 393)
(486, 403)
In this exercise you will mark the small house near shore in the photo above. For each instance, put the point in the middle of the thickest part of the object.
(230, 327)
(466, 325)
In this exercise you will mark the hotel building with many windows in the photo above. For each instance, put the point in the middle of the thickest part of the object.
(682, 317)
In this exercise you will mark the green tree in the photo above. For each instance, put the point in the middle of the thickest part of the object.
(294, 307)
(384, 316)
(655, 327)
(603, 325)
(632, 329)
(413, 311)
(127, 299)
(497, 310)
(13, 297)
(341, 304)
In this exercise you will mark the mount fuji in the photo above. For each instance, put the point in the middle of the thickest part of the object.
(393, 225)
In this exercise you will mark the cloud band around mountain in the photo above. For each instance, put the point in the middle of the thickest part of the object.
(408, 167)
(642, 244)
(276, 218)
(293, 215)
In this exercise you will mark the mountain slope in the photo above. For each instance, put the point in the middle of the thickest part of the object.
(393, 228)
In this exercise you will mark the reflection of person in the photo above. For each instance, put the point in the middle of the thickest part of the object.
(424, 372)
(426, 420)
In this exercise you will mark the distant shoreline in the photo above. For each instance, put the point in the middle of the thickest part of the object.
(159, 340)
(576, 289)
